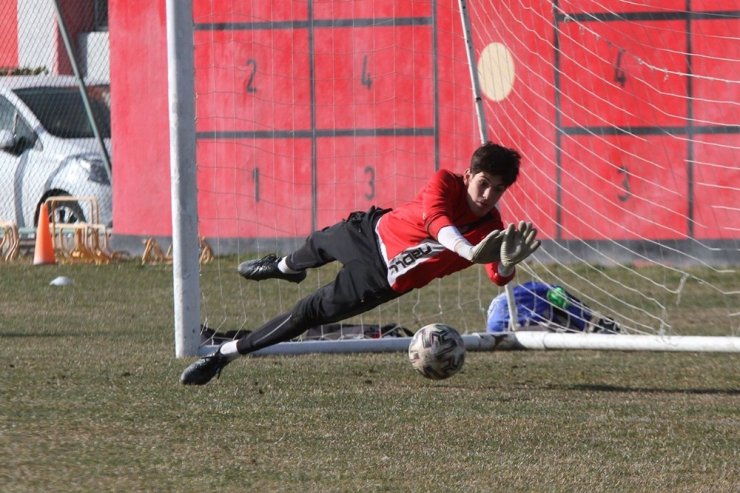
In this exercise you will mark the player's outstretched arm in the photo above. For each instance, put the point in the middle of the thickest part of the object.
(486, 251)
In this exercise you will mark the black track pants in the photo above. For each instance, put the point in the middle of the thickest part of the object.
(360, 285)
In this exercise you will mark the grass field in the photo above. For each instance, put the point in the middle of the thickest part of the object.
(91, 402)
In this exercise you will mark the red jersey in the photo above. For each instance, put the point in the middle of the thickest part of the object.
(407, 236)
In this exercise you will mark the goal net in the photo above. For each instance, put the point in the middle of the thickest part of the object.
(626, 114)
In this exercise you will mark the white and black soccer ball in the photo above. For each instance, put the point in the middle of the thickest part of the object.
(437, 351)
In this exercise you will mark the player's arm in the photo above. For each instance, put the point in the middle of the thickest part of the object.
(438, 198)
(484, 252)
(495, 275)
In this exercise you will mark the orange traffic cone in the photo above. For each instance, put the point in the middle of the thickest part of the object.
(44, 252)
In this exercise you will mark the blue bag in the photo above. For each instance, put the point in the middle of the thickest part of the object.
(535, 308)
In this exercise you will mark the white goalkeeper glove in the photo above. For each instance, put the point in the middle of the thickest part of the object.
(517, 245)
(486, 251)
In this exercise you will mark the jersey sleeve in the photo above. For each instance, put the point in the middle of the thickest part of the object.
(498, 279)
(438, 199)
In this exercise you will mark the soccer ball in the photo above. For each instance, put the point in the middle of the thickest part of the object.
(437, 351)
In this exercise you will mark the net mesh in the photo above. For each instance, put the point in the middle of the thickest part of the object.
(626, 114)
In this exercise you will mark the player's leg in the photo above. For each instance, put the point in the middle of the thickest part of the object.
(315, 252)
(269, 267)
(354, 291)
(347, 241)
(351, 240)
(358, 287)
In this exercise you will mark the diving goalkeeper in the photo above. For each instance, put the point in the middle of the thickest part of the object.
(452, 224)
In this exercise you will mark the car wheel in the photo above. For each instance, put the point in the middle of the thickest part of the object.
(66, 212)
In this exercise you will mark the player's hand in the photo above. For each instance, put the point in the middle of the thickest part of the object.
(489, 248)
(518, 244)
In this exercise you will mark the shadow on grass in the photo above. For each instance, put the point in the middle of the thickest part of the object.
(46, 334)
(646, 390)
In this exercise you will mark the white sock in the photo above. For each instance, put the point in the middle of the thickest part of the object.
(229, 350)
(283, 266)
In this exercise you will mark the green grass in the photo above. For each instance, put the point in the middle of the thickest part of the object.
(90, 401)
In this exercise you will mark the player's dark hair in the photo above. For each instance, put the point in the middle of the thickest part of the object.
(496, 160)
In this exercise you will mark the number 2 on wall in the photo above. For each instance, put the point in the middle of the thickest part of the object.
(251, 64)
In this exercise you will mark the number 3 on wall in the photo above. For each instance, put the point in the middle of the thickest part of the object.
(370, 173)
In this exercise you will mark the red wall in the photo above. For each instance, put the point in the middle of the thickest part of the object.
(139, 119)
(260, 136)
(8, 33)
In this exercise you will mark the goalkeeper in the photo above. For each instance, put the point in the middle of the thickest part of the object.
(452, 224)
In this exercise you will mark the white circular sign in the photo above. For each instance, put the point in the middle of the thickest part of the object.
(496, 71)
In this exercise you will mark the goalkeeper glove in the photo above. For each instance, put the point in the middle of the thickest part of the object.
(488, 249)
(517, 245)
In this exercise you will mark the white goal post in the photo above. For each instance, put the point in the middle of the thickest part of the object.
(283, 119)
(185, 245)
(511, 341)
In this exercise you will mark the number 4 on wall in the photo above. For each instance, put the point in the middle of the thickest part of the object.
(620, 76)
(624, 197)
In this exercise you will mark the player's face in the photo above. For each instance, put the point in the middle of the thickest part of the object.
(484, 191)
